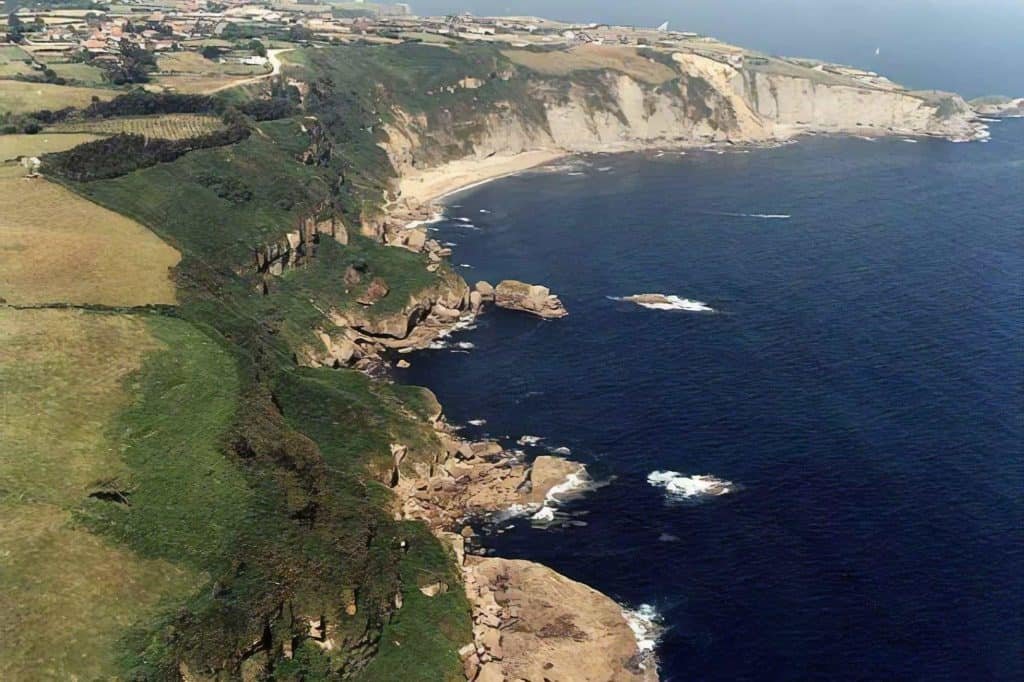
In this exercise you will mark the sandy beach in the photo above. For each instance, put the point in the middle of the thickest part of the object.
(429, 185)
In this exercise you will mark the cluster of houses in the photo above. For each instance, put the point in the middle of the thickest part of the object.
(158, 26)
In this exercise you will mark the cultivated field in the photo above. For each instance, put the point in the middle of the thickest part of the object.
(12, 61)
(167, 126)
(593, 57)
(16, 67)
(59, 247)
(20, 97)
(86, 74)
(13, 146)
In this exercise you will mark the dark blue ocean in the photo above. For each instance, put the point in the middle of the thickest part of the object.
(861, 382)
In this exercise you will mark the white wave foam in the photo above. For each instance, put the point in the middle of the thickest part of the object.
(477, 422)
(646, 624)
(689, 487)
(910, 140)
(466, 265)
(529, 440)
(465, 345)
(574, 484)
(514, 512)
(668, 303)
(545, 515)
(465, 323)
(436, 217)
(564, 451)
(604, 169)
(449, 244)
(463, 220)
(576, 173)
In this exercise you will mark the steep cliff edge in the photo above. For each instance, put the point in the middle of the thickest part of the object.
(617, 98)
(999, 107)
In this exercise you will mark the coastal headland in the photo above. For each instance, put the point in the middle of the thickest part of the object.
(244, 491)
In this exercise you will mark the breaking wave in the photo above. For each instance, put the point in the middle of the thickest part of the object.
(684, 487)
(465, 323)
(436, 217)
(574, 484)
(646, 624)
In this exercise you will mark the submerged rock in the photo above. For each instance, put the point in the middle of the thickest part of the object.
(530, 298)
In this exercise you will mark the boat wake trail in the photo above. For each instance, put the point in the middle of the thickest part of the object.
(760, 216)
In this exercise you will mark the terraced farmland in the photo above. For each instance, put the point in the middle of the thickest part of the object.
(168, 127)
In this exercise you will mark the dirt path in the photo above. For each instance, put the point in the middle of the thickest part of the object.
(274, 62)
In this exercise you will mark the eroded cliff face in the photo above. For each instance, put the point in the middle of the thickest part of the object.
(707, 100)
(607, 112)
(809, 105)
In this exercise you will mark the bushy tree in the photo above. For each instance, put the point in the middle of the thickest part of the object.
(133, 66)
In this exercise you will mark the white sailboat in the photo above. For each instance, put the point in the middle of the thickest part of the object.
(663, 28)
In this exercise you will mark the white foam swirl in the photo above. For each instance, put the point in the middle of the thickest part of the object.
(688, 487)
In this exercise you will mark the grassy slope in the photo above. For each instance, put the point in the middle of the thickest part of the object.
(67, 595)
(262, 482)
(177, 201)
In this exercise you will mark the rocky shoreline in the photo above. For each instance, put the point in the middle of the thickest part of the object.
(529, 622)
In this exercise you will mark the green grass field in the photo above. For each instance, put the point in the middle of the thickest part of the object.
(13, 146)
(78, 73)
(19, 97)
(69, 597)
(61, 248)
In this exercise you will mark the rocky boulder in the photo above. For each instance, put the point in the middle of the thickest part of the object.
(485, 290)
(531, 623)
(377, 290)
(529, 298)
(354, 273)
(554, 474)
